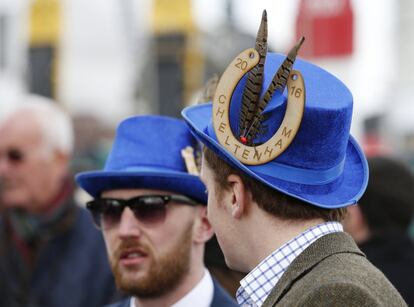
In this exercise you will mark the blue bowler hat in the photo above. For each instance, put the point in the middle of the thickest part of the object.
(300, 143)
(147, 153)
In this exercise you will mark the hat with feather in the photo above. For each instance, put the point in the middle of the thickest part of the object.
(284, 122)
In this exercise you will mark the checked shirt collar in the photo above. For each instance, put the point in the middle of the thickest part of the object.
(257, 285)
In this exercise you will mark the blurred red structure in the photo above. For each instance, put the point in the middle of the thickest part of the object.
(327, 26)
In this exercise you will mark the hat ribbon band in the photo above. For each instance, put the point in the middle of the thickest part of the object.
(299, 175)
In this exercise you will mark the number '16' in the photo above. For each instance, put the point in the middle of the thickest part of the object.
(296, 91)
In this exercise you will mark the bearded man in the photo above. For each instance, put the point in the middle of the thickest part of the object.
(150, 205)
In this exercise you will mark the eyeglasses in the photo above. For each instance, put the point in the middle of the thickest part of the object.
(150, 210)
(14, 155)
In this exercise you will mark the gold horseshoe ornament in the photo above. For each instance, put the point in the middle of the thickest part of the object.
(277, 144)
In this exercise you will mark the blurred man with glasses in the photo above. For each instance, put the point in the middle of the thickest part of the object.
(150, 205)
(46, 240)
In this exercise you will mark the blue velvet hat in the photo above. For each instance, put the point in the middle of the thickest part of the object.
(147, 153)
(316, 160)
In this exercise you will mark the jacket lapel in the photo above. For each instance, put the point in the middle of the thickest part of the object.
(330, 244)
(221, 298)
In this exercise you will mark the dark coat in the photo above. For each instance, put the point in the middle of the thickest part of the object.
(393, 254)
(220, 298)
(70, 269)
(333, 272)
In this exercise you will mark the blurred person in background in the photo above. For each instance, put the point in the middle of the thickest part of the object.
(150, 205)
(380, 222)
(50, 252)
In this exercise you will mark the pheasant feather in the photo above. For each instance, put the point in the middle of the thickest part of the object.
(277, 85)
(251, 93)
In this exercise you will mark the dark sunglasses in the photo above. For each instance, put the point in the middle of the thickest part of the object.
(150, 210)
(14, 155)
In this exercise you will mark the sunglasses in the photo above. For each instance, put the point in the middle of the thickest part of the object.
(14, 156)
(150, 210)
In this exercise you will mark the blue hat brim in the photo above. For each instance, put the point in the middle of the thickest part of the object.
(95, 182)
(346, 190)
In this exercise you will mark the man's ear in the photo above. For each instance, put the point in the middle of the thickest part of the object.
(240, 198)
(202, 227)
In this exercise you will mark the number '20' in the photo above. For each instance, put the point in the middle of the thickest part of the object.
(241, 64)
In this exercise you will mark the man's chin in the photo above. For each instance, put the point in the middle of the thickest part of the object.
(129, 277)
(128, 283)
(138, 284)
(131, 273)
(10, 200)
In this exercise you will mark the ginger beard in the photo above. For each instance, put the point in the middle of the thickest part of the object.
(165, 271)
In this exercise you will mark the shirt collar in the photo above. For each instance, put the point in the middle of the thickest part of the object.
(201, 295)
(256, 286)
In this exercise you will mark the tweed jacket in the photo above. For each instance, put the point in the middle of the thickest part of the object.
(333, 272)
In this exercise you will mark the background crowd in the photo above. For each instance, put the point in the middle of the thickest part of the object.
(70, 71)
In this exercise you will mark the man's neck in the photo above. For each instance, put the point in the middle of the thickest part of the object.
(170, 298)
(274, 233)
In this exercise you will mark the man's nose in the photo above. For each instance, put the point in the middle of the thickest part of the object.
(128, 224)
